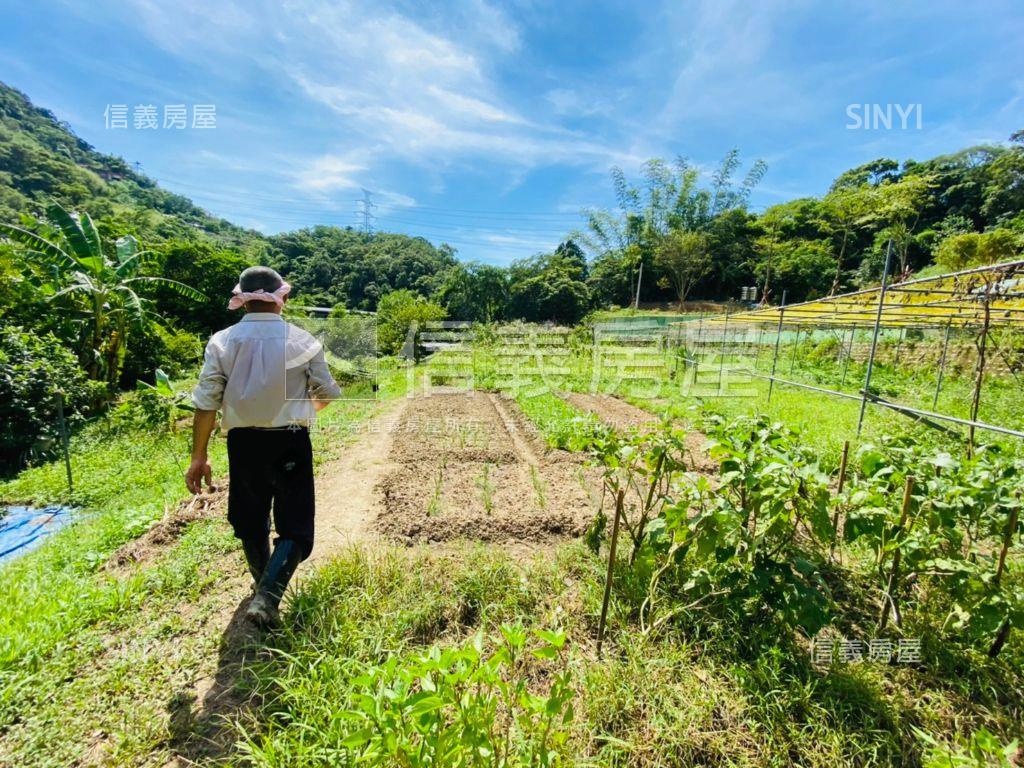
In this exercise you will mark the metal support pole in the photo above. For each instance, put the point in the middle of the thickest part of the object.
(721, 354)
(796, 345)
(942, 365)
(760, 340)
(849, 354)
(778, 338)
(874, 337)
(696, 346)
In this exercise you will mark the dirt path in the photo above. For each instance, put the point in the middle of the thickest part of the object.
(434, 469)
(347, 499)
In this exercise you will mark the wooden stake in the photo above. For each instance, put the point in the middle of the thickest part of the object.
(611, 567)
(65, 443)
(889, 601)
(839, 490)
(979, 374)
(1004, 630)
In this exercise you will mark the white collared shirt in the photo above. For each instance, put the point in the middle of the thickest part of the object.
(264, 372)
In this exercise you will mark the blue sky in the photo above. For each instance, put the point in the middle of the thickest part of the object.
(489, 126)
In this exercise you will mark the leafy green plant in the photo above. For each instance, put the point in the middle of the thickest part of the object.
(982, 750)
(642, 465)
(98, 282)
(463, 706)
(964, 517)
(160, 403)
(764, 532)
(562, 425)
(34, 368)
(753, 545)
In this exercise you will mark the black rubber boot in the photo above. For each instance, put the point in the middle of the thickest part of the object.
(257, 555)
(263, 610)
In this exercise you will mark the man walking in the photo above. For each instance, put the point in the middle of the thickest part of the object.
(269, 378)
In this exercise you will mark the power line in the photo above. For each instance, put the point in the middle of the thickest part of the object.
(233, 194)
(302, 216)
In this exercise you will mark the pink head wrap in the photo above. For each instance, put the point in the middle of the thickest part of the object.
(239, 297)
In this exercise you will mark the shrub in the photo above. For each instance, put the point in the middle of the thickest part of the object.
(175, 351)
(33, 368)
(397, 313)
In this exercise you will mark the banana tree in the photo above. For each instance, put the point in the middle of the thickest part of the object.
(98, 285)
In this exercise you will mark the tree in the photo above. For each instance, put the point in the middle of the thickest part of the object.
(34, 367)
(400, 312)
(97, 284)
(671, 199)
(802, 267)
(331, 265)
(900, 204)
(973, 249)
(877, 172)
(474, 292)
(212, 271)
(684, 257)
(1004, 190)
(609, 279)
(549, 288)
(845, 210)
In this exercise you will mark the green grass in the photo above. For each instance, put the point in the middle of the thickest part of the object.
(730, 694)
(100, 667)
(562, 425)
(59, 608)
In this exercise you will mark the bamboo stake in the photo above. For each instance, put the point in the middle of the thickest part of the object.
(1004, 629)
(980, 375)
(611, 567)
(839, 490)
(65, 443)
(888, 599)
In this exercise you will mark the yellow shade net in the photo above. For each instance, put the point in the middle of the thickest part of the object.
(957, 299)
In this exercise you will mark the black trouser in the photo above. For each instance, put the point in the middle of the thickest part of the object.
(271, 467)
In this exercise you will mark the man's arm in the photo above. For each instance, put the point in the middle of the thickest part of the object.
(200, 469)
(323, 390)
(207, 398)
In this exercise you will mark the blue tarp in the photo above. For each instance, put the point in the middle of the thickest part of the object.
(24, 528)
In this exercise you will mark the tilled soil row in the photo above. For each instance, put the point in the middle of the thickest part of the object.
(471, 466)
(620, 415)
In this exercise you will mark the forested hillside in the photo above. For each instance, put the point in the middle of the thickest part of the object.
(128, 277)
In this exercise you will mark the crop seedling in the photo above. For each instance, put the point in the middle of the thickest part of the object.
(434, 506)
(486, 486)
(538, 486)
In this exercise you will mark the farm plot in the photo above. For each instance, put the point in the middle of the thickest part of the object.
(470, 466)
(623, 416)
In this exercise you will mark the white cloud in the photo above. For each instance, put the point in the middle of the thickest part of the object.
(329, 173)
(416, 90)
